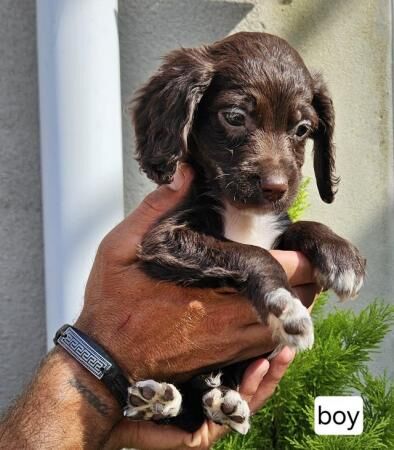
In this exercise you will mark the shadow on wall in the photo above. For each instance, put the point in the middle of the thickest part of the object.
(148, 30)
(310, 20)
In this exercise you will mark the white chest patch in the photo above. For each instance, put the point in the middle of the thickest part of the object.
(251, 228)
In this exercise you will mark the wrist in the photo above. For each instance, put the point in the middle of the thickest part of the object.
(94, 409)
(117, 344)
(73, 370)
(95, 359)
(64, 403)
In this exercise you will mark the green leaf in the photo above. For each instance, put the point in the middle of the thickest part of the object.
(301, 203)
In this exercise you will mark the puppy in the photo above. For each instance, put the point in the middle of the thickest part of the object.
(240, 112)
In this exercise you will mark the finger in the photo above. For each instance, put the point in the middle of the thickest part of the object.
(199, 438)
(206, 436)
(252, 378)
(277, 369)
(296, 265)
(125, 237)
(307, 293)
(146, 435)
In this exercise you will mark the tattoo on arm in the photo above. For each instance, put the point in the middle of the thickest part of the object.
(100, 406)
(55, 410)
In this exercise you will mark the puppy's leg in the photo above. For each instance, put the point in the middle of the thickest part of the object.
(337, 263)
(176, 253)
(149, 400)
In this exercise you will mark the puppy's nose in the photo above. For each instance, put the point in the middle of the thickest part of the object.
(274, 190)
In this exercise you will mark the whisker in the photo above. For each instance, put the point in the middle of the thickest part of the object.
(222, 175)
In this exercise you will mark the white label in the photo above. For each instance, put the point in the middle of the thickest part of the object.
(339, 415)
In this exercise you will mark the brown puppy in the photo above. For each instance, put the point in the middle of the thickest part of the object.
(240, 111)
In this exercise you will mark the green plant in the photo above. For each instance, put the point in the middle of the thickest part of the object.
(301, 203)
(336, 365)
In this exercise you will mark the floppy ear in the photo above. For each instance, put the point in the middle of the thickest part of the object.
(163, 111)
(323, 148)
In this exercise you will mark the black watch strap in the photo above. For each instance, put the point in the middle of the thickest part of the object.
(95, 359)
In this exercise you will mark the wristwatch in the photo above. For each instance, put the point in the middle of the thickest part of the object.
(95, 359)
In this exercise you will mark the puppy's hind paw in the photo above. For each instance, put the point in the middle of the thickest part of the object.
(226, 407)
(149, 400)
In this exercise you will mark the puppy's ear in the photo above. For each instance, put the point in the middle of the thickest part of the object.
(324, 149)
(163, 111)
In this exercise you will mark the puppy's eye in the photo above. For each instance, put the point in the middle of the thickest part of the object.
(234, 118)
(303, 129)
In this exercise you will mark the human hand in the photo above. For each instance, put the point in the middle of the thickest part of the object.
(259, 383)
(159, 330)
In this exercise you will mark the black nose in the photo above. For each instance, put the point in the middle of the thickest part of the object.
(274, 190)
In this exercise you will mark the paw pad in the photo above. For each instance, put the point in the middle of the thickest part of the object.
(149, 400)
(227, 407)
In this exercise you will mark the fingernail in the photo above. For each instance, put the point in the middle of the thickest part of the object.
(193, 440)
(288, 354)
(178, 180)
(263, 369)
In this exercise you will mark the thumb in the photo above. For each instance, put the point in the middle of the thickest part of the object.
(126, 236)
(161, 200)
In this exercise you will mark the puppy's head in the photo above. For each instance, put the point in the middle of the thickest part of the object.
(241, 111)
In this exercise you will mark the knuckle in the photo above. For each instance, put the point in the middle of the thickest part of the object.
(106, 246)
(154, 203)
(276, 377)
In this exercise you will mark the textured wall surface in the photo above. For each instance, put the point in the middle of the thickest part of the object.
(350, 43)
(22, 324)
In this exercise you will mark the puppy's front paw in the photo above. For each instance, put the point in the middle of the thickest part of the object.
(341, 269)
(289, 319)
(149, 400)
(226, 407)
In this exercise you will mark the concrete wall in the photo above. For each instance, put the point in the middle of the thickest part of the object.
(22, 323)
(349, 41)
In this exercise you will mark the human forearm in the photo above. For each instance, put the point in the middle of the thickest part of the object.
(64, 407)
